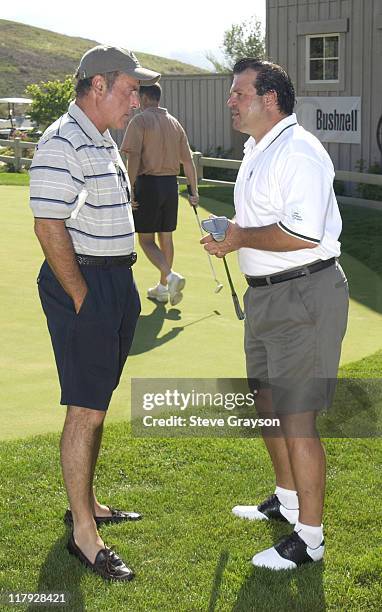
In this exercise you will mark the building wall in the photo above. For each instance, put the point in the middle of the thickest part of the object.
(360, 22)
(199, 102)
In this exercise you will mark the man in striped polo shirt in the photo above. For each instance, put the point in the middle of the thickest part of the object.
(80, 197)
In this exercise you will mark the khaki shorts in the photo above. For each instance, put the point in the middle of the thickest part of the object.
(293, 337)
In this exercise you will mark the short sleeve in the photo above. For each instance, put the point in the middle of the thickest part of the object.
(133, 139)
(306, 188)
(185, 151)
(55, 179)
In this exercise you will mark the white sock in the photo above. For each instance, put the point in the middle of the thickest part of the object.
(287, 497)
(162, 287)
(312, 536)
(289, 503)
(169, 276)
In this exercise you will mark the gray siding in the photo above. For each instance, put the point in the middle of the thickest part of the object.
(199, 103)
(362, 62)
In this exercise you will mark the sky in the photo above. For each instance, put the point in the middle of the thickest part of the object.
(172, 28)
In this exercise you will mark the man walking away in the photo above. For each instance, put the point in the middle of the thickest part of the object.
(156, 144)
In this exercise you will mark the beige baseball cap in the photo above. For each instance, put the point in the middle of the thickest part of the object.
(104, 58)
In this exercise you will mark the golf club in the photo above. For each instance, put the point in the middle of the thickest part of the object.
(219, 286)
(217, 227)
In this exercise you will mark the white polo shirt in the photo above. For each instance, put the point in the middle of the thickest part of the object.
(287, 179)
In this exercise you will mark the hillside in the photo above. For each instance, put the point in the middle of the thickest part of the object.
(29, 55)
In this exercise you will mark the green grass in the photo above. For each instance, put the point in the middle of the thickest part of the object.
(189, 552)
(31, 55)
(16, 179)
(368, 367)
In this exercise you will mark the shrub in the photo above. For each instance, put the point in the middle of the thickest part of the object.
(366, 191)
(339, 188)
(219, 174)
(50, 100)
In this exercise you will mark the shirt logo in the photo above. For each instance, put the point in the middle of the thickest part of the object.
(296, 216)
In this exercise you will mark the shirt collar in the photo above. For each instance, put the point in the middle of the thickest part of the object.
(156, 109)
(88, 126)
(271, 135)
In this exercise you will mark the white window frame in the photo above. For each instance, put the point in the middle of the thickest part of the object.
(308, 58)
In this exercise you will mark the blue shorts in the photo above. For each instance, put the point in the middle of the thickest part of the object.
(91, 347)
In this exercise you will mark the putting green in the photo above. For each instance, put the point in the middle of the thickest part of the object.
(201, 337)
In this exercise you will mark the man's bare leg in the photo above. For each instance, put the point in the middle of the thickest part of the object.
(79, 447)
(167, 247)
(275, 442)
(98, 509)
(278, 451)
(155, 255)
(307, 459)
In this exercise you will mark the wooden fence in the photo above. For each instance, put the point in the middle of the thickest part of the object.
(200, 162)
(17, 159)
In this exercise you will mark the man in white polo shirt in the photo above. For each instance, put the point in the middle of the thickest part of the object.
(80, 198)
(286, 234)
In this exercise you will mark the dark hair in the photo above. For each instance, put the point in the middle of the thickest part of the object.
(153, 92)
(83, 86)
(270, 77)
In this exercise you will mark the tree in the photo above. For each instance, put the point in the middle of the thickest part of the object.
(245, 39)
(50, 100)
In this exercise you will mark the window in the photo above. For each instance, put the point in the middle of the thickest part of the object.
(323, 58)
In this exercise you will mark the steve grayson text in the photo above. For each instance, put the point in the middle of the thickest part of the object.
(198, 421)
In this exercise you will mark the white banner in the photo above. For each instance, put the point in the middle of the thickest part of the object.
(331, 119)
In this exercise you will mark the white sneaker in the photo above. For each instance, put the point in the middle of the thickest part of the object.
(271, 508)
(251, 513)
(158, 294)
(176, 283)
(289, 553)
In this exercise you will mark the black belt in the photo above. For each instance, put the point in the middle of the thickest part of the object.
(114, 260)
(261, 281)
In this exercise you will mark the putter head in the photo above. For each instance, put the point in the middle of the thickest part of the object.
(216, 226)
(219, 288)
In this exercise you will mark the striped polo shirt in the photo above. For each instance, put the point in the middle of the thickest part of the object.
(78, 175)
